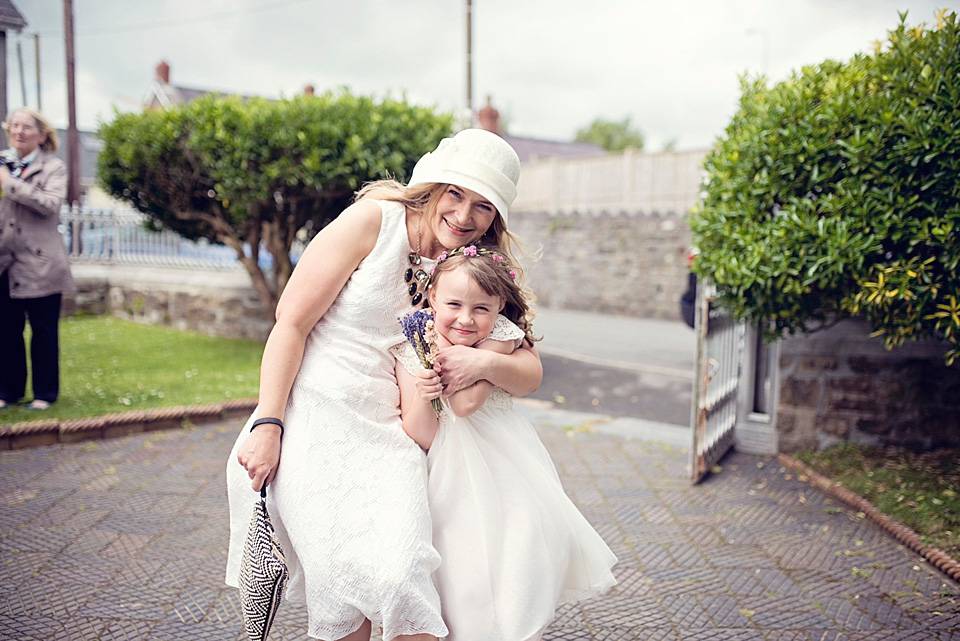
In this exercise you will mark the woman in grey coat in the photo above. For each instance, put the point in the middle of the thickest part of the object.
(34, 270)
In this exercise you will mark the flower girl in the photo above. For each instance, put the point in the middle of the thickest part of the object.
(512, 544)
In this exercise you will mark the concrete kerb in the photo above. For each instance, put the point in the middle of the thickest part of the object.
(51, 431)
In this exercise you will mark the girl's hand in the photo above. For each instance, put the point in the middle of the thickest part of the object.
(259, 455)
(428, 384)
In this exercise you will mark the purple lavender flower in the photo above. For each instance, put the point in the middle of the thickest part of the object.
(415, 328)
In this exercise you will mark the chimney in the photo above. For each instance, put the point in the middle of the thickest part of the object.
(163, 72)
(308, 90)
(489, 118)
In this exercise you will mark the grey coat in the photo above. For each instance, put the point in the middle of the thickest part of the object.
(31, 246)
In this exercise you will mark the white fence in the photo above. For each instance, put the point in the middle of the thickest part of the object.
(121, 236)
(629, 181)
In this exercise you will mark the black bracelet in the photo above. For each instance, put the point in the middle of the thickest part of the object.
(271, 421)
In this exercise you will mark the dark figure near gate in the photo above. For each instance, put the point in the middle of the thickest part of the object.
(688, 300)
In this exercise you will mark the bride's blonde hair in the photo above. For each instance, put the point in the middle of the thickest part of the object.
(423, 198)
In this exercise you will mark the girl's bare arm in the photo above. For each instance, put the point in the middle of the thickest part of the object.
(420, 421)
(468, 400)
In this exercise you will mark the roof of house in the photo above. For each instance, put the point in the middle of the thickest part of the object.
(10, 17)
(162, 95)
(530, 148)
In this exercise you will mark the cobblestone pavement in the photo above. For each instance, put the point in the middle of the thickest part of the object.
(126, 539)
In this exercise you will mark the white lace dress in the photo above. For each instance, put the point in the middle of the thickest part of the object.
(349, 501)
(512, 544)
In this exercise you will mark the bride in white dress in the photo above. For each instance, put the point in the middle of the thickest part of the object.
(347, 488)
(512, 544)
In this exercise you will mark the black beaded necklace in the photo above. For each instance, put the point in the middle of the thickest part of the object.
(415, 276)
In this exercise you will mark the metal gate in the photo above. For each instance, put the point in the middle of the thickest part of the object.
(714, 408)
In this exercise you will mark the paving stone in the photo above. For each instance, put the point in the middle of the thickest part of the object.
(125, 630)
(725, 611)
(126, 539)
(40, 627)
(646, 633)
(721, 634)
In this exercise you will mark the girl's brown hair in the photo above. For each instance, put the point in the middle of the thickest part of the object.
(496, 275)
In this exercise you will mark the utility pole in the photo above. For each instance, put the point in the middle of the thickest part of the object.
(23, 81)
(73, 136)
(36, 57)
(469, 62)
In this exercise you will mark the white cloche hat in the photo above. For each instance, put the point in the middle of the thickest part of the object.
(474, 159)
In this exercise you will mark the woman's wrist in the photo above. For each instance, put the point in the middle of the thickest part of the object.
(268, 420)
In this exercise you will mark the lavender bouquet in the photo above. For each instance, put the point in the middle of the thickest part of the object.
(418, 328)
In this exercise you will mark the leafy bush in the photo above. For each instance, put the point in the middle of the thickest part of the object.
(837, 193)
(244, 171)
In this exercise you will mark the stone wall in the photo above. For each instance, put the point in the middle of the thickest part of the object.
(624, 264)
(840, 385)
(221, 303)
(633, 265)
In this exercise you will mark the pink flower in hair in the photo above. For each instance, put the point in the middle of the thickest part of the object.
(513, 274)
(442, 257)
(470, 251)
(497, 258)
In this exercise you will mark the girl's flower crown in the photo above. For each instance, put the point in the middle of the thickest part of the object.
(473, 250)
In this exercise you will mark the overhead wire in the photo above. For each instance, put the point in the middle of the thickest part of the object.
(163, 24)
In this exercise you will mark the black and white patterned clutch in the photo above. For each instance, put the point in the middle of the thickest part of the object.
(263, 573)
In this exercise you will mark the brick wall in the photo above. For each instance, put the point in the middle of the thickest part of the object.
(841, 385)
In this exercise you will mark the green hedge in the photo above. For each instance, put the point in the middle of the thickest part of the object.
(837, 193)
(244, 171)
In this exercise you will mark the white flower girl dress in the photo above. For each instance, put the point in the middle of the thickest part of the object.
(512, 544)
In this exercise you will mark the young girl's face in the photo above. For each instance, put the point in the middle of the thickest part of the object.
(464, 314)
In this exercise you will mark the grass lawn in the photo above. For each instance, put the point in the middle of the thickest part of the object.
(919, 489)
(110, 365)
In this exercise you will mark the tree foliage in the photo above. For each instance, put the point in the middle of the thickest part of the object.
(612, 135)
(241, 172)
(837, 193)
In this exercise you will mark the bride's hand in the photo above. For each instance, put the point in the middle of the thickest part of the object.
(460, 366)
(259, 455)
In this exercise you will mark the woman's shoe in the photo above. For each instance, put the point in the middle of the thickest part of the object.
(38, 405)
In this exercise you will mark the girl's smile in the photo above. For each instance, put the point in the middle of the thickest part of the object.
(464, 314)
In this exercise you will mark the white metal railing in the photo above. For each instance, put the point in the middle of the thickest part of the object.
(120, 236)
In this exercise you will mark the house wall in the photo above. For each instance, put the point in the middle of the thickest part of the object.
(841, 385)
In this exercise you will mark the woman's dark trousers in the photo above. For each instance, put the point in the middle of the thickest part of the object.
(44, 316)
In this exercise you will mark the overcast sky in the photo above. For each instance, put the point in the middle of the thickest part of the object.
(551, 66)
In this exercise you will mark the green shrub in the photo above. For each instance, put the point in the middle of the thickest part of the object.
(837, 193)
(241, 172)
